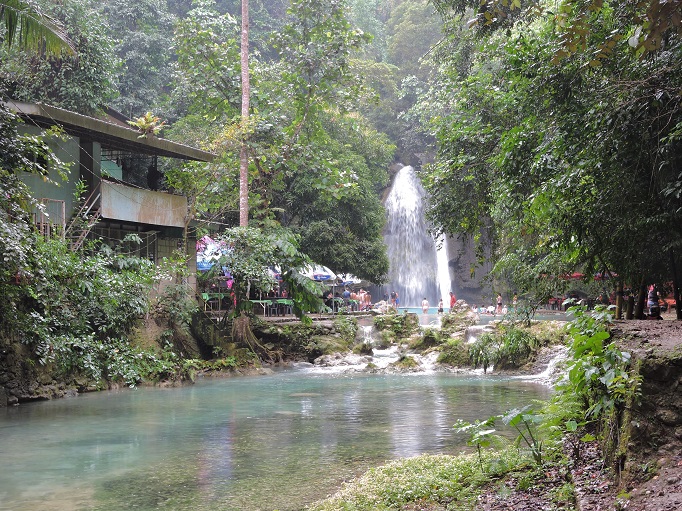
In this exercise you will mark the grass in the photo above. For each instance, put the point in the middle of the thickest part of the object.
(456, 480)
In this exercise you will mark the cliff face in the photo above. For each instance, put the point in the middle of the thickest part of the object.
(660, 408)
(466, 273)
(23, 379)
(651, 466)
(657, 347)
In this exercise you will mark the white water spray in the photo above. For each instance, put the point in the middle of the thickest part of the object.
(418, 270)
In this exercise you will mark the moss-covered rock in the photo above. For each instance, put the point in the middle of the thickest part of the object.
(457, 320)
(403, 326)
(405, 362)
(455, 353)
(301, 341)
(429, 339)
(363, 348)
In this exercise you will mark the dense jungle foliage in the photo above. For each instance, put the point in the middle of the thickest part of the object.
(547, 131)
(556, 129)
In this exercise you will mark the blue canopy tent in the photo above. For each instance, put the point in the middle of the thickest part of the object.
(209, 253)
(346, 279)
(319, 273)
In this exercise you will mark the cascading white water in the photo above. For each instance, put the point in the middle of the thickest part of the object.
(417, 271)
(367, 334)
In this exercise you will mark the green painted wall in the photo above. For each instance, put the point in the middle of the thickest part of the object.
(67, 150)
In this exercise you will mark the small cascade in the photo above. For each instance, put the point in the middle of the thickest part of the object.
(381, 360)
(418, 268)
(367, 334)
(552, 357)
(384, 358)
(474, 332)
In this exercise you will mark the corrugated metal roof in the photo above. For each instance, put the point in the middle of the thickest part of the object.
(113, 136)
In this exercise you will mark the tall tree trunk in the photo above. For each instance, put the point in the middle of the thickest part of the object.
(629, 313)
(619, 300)
(641, 300)
(676, 285)
(243, 153)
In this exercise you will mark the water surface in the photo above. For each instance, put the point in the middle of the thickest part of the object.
(249, 443)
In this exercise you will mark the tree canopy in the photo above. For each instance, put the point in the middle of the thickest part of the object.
(547, 131)
(559, 142)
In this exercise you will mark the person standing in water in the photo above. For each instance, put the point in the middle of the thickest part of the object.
(425, 306)
(440, 306)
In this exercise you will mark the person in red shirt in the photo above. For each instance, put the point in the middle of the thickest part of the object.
(453, 300)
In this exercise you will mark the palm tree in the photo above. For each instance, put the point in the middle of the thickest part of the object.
(27, 27)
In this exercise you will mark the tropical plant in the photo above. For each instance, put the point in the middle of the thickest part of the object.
(516, 347)
(148, 125)
(26, 25)
(22, 153)
(484, 351)
(598, 374)
(481, 434)
(524, 421)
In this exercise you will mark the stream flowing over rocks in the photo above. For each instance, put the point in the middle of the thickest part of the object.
(546, 368)
(382, 360)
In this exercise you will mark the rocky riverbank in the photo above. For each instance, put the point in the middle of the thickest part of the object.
(647, 475)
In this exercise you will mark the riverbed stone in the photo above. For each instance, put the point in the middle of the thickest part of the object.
(3, 397)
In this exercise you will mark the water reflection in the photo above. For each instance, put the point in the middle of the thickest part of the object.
(276, 442)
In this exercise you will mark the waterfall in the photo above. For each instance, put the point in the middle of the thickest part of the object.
(367, 334)
(417, 268)
(443, 271)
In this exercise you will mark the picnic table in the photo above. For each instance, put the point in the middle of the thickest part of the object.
(212, 299)
(275, 306)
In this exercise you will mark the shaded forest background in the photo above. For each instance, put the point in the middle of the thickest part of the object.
(549, 132)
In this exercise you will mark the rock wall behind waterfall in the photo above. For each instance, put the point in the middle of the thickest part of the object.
(469, 279)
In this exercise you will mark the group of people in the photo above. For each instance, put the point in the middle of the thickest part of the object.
(360, 300)
(277, 292)
(425, 304)
(498, 308)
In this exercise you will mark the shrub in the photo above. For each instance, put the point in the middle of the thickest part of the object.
(516, 346)
(455, 353)
(509, 347)
(598, 373)
(484, 351)
(402, 325)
